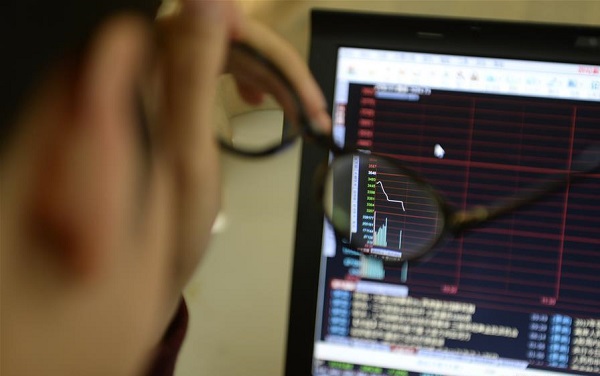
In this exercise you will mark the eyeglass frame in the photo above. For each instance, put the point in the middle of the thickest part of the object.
(456, 222)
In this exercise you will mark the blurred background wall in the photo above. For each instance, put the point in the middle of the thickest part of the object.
(290, 17)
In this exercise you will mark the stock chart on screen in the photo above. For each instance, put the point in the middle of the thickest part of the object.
(521, 291)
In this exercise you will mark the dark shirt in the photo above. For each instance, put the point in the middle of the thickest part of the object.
(166, 354)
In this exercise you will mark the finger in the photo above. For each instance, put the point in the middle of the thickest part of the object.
(287, 59)
(254, 78)
(250, 94)
(194, 44)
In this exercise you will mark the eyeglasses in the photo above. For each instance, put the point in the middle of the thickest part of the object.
(347, 184)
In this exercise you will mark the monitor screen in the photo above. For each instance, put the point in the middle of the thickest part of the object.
(518, 296)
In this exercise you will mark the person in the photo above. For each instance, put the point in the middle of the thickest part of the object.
(110, 177)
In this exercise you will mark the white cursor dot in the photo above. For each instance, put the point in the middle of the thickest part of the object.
(439, 151)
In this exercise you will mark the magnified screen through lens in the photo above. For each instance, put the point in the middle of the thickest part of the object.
(382, 209)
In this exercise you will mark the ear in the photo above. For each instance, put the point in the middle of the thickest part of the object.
(87, 167)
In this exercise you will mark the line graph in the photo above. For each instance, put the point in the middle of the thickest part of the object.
(545, 255)
(388, 197)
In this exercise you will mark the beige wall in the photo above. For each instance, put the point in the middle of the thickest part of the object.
(290, 17)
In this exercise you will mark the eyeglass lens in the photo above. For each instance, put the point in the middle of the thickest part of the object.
(379, 209)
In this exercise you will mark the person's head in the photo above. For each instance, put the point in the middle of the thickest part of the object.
(98, 231)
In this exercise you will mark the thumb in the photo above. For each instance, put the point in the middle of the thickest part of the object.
(195, 41)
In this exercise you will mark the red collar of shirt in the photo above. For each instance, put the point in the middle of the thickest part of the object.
(163, 363)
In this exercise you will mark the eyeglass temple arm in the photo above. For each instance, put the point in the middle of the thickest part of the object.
(586, 162)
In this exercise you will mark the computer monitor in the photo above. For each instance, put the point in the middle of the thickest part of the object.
(481, 110)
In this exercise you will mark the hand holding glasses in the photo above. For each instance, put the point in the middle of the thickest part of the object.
(427, 217)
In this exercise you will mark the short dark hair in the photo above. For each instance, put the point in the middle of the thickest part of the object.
(39, 34)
